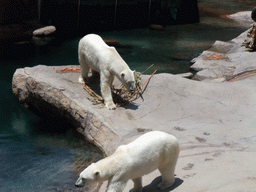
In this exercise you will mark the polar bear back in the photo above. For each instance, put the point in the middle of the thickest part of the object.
(149, 152)
(99, 56)
(92, 48)
(154, 143)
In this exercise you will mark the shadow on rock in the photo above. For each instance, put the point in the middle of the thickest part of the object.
(152, 187)
(119, 95)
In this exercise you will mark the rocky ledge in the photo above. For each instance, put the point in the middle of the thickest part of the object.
(214, 122)
(227, 60)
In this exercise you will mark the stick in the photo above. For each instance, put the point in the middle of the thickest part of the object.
(92, 93)
(145, 82)
(148, 68)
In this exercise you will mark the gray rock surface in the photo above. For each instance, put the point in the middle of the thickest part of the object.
(225, 60)
(243, 17)
(214, 122)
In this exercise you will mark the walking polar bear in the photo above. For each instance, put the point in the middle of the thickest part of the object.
(95, 54)
(153, 150)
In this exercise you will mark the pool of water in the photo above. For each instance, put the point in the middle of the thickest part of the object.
(36, 154)
(42, 155)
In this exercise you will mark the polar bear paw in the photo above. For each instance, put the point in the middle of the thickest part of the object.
(81, 80)
(110, 106)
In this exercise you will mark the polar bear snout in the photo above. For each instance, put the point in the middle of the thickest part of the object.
(80, 182)
(131, 86)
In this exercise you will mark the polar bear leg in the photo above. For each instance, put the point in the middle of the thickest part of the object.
(116, 186)
(137, 185)
(84, 70)
(168, 178)
(105, 86)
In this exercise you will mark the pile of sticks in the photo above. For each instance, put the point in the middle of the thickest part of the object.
(122, 96)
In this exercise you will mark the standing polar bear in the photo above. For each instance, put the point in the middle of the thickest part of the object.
(95, 54)
(151, 151)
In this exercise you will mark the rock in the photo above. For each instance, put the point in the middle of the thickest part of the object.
(243, 17)
(157, 27)
(44, 31)
(188, 75)
(51, 96)
(224, 110)
(111, 42)
(224, 60)
(115, 43)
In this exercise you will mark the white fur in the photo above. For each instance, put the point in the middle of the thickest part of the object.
(151, 151)
(95, 54)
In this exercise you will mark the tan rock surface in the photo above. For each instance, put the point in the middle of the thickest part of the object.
(214, 122)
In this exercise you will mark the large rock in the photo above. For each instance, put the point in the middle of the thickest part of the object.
(215, 123)
(226, 60)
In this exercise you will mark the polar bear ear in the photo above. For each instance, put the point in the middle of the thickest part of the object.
(96, 174)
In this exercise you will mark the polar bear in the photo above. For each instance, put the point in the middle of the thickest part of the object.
(151, 151)
(95, 54)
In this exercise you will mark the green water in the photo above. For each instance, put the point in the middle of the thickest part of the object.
(41, 155)
(37, 154)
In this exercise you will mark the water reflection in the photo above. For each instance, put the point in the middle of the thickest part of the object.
(41, 155)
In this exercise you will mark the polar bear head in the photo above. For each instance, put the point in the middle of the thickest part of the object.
(88, 176)
(127, 79)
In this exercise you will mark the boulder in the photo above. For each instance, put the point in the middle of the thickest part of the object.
(44, 31)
